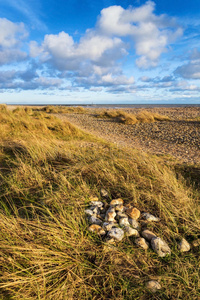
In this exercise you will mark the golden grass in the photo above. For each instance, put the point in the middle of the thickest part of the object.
(46, 251)
(55, 109)
(131, 119)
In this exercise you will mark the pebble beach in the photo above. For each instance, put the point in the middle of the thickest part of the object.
(179, 137)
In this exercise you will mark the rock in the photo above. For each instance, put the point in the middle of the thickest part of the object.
(184, 246)
(149, 217)
(133, 212)
(131, 232)
(97, 203)
(104, 193)
(97, 229)
(110, 216)
(134, 223)
(120, 208)
(196, 243)
(94, 220)
(95, 209)
(116, 233)
(153, 286)
(124, 222)
(108, 225)
(148, 235)
(121, 215)
(141, 242)
(115, 202)
(89, 212)
(160, 247)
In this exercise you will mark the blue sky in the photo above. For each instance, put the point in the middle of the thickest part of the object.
(81, 51)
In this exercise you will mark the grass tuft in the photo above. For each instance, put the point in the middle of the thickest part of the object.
(131, 119)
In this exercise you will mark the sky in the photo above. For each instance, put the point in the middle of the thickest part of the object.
(99, 52)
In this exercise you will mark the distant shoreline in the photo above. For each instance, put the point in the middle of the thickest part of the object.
(111, 105)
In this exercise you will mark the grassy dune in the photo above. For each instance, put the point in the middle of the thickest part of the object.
(131, 119)
(49, 171)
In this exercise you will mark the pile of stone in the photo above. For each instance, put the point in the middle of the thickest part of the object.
(115, 221)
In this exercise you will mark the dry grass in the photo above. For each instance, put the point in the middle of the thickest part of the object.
(47, 178)
(131, 119)
(63, 109)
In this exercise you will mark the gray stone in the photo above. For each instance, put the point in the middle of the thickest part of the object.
(108, 225)
(89, 212)
(160, 247)
(184, 246)
(141, 242)
(134, 223)
(150, 218)
(121, 215)
(94, 220)
(153, 286)
(148, 235)
(96, 203)
(116, 233)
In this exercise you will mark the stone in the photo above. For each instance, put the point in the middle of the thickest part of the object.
(116, 233)
(97, 203)
(95, 209)
(160, 247)
(196, 243)
(108, 225)
(153, 286)
(134, 223)
(110, 216)
(131, 232)
(104, 193)
(97, 229)
(115, 202)
(89, 212)
(141, 242)
(95, 220)
(148, 235)
(133, 212)
(121, 215)
(184, 246)
(120, 208)
(124, 222)
(150, 218)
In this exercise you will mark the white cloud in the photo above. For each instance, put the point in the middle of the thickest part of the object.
(64, 53)
(151, 33)
(11, 37)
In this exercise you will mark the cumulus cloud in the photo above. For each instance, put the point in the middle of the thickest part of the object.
(151, 33)
(11, 36)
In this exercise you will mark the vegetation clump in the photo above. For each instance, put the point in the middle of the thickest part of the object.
(57, 109)
(121, 116)
(49, 172)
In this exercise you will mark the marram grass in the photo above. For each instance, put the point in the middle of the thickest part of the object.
(46, 252)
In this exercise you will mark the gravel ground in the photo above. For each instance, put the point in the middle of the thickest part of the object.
(179, 137)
